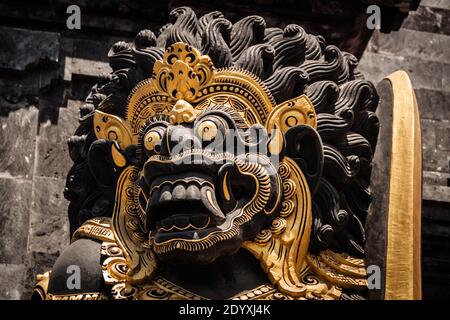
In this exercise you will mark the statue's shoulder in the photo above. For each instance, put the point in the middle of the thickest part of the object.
(77, 273)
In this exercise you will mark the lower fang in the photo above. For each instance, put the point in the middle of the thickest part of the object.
(195, 235)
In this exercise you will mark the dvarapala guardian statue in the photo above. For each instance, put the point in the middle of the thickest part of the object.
(221, 161)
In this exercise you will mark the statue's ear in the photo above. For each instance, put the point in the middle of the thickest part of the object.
(297, 120)
(113, 128)
(291, 113)
(304, 146)
(106, 155)
(105, 161)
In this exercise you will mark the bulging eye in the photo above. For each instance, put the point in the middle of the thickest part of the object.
(207, 130)
(151, 140)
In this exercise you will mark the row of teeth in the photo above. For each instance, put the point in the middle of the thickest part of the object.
(195, 152)
(204, 191)
(191, 186)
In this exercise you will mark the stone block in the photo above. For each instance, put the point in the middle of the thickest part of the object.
(433, 104)
(436, 178)
(53, 154)
(443, 136)
(15, 203)
(11, 279)
(17, 143)
(434, 158)
(434, 20)
(23, 49)
(85, 67)
(412, 43)
(424, 74)
(436, 193)
(21, 91)
(49, 227)
(442, 4)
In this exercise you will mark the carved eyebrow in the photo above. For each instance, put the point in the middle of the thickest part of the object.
(153, 119)
(231, 112)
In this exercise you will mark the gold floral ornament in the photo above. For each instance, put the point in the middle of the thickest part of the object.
(182, 72)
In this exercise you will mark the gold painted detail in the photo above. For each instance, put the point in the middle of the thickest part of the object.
(97, 228)
(338, 272)
(182, 112)
(115, 275)
(113, 128)
(114, 266)
(115, 270)
(263, 292)
(119, 159)
(317, 288)
(80, 296)
(403, 264)
(162, 289)
(293, 112)
(189, 226)
(244, 91)
(282, 248)
(41, 287)
(151, 139)
(183, 72)
(207, 130)
(128, 228)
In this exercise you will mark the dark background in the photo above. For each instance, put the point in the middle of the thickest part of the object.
(47, 70)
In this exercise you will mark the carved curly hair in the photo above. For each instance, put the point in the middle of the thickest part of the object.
(290, 62)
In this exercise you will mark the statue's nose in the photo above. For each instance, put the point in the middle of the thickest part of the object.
(179, 135)
(180, 138)
(182, 112)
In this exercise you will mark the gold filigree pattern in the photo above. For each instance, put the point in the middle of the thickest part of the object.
(282, 256)
(81, 296)
(139, 256)
(183, 72)
(339, 274)
(317, 288)
(263, 292)
(97, 228)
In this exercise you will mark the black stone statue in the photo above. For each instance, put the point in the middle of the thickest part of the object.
(236, 161)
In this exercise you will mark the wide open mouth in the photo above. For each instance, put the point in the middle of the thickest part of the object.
(183, 206)
(190, 201)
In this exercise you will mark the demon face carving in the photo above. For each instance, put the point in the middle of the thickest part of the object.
(209, 180)
(196, 152)
(207, 163)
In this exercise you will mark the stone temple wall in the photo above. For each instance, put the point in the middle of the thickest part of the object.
(46, 72)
